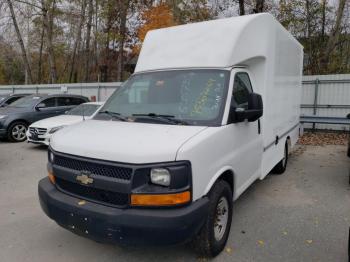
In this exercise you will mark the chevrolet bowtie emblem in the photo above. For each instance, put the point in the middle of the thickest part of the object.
(84, 178)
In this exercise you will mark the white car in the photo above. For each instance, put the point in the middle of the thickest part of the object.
(41, 131)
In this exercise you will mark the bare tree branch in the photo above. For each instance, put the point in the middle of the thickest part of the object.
(21, 43)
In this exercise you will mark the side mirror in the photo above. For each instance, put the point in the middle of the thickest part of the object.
(253, 113)
(348, 116)
(40, 106)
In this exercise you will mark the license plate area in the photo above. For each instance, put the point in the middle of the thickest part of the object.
(79, 223)
(34, 136)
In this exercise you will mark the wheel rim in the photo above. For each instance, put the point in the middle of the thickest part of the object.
(19, 132)
(221, 218)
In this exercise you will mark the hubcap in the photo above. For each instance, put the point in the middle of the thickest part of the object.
(19, 132)
(221, 218)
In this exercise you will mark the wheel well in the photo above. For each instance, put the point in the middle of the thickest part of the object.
(17, 120)
(229, 178)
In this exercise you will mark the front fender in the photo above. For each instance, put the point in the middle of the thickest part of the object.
(216, 177)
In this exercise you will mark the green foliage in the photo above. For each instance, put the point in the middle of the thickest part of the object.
(310, 21)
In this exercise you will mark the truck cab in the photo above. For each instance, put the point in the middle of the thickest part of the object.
(196, 124)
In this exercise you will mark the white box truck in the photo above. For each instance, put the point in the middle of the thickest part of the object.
(211, 107)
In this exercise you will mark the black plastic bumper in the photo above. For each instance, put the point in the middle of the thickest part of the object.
(126, 226)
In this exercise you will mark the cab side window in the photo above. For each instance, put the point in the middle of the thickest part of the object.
(241, 90)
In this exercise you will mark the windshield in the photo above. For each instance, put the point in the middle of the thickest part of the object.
(83, 109)
(26, 102)
(195, 96)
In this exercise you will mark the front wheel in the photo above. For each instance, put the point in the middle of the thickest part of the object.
(282, 165)
(17, 132)
(212, 238)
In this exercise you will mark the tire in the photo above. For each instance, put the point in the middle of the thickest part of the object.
(282, 165)
(210, 241)
(17, 131)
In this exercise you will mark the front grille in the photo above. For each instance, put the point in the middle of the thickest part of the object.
(95, 168)
(38, 131)
(94, 194)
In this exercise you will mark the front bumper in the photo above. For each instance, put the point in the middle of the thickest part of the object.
(126, 226)
(40, 139)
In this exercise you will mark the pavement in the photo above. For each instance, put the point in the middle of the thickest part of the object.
(302, 215)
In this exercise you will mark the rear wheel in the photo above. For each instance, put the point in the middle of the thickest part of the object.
(282, 165)
(17, 132)
(212, 238)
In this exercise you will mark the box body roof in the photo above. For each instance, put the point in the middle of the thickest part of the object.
(217, 43)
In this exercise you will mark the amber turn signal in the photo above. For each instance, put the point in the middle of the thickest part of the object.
(160, 200)
(52, 177)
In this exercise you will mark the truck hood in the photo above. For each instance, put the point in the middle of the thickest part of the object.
(63, 120)
(125, 142)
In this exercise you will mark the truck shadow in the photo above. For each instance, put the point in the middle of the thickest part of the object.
(38, 147)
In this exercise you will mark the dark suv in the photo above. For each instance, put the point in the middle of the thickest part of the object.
(15, 118)
(7, 99)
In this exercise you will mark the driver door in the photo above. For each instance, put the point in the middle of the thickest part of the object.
(247, 143)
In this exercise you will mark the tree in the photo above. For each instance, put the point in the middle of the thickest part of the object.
(87, 42)
(2, 73)
(53, 37)
(259, 6)
(334, 37)
(77, 41)
(124, 6)
(48, 10)
(324, 7)
(39, 77)
(20, 41)
(241, 7)
(156, 17)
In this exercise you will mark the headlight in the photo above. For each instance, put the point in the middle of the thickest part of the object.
(168, 184)
(3, 116)
(160, 176)
(55, 129)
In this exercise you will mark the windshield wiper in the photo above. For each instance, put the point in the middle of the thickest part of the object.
(169, 119)
(114, 115)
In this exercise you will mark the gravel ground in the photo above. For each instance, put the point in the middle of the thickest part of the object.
(302, 215)
(319, 138)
